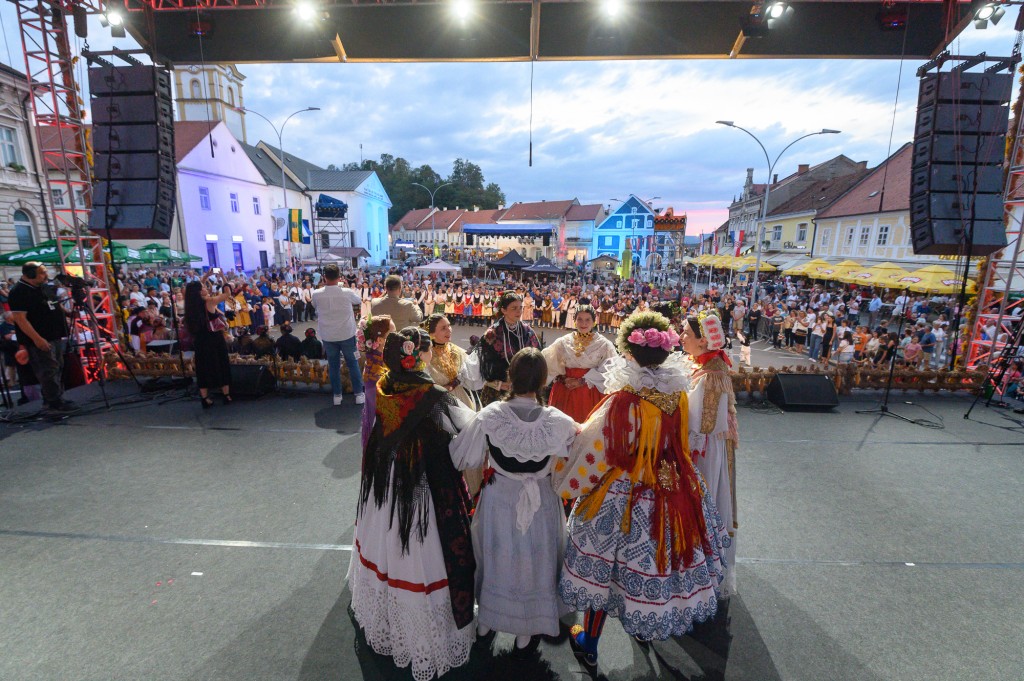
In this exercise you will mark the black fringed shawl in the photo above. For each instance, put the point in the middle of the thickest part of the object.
(408, 439)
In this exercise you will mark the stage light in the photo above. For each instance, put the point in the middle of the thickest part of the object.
(612, 8)
(776, 10)
(305, 11)
(115, 17)
(986, 13)
(462, 9)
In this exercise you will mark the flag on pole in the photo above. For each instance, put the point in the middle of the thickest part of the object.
(288, 225)
(437, 250)
(739, 243)
(716, 245)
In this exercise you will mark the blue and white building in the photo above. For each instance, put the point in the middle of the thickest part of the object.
(632, 223)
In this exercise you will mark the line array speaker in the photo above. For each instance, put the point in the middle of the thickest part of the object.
(133, 145)
(956, 191)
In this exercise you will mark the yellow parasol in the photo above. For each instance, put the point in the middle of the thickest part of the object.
(808, 269)
(934, 279)
(748, 263)
(843, 268)
(883, 275)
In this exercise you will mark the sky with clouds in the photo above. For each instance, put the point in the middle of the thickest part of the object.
(601, 130)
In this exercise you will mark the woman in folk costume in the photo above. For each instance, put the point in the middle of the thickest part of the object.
(502, 340)
(573, 361)
(411, 574)
(714, 433)
(370, 335)
(458, 372)
(645, 543)
(518, 526)
(365, 297)
(440, 300)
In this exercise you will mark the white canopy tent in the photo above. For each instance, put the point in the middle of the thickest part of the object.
(438, 266)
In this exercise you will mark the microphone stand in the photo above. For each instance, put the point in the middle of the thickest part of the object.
(883, 408)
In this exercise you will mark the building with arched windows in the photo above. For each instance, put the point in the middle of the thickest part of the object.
(211, 92)
(24, 220)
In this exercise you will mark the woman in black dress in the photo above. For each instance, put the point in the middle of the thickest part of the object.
(207, 325)
(502, 340)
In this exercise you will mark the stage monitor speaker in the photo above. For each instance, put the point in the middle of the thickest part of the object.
(469, 239)
(802, 391)
(252, 380)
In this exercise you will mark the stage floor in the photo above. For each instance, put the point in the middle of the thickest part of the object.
(165, 542)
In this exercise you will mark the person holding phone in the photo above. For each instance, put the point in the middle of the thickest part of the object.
(206, 323)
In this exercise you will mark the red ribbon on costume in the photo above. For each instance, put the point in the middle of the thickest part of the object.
(708, 356)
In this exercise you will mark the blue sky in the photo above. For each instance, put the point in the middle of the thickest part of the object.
(601, 130)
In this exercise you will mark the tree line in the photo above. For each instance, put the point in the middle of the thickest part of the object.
(467, 185)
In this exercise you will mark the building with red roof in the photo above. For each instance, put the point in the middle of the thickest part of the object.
(870, 222)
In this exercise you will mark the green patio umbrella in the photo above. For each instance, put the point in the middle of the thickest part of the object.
(156, 253)
(46, 252)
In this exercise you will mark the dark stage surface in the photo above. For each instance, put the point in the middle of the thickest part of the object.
(166, 542)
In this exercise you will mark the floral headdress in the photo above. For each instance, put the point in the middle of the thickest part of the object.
(653, 338)
(711, 329)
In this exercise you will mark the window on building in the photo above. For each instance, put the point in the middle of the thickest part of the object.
(826, 236)
(23, 230)
(236, 250)
(196, 89)
(204, 198)
(883, 235)
(231, 97)
(234, 202)
(211, 254)
(58, 197)
(261, 235)
(80, 198)
(255, 205)
(633, 210)
(777, 233)
(636, 223)
(849, 236)
(865, 235)
(801, 232)
(9, 146)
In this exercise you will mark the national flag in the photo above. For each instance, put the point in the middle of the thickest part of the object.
(716, 245)
(288, 225)
(739, 243)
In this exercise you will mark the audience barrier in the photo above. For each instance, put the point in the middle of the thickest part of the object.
(749, 382)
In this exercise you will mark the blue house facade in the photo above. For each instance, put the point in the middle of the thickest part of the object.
(632, 222)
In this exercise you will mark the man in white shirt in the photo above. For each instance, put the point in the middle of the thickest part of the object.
(336, 325)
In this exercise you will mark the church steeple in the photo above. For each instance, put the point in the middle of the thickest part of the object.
(211, 92)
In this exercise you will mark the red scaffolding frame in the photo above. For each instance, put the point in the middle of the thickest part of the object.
(60, 136)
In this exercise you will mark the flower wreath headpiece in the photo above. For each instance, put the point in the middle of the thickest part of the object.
(653, 338)
(711, 329)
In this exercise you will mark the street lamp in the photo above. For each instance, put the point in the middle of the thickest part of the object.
(433, 235)
(767, 189)
(280, 145)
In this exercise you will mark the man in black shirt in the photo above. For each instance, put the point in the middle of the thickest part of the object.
(42, 329)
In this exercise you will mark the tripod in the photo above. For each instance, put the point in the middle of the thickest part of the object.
(82, 305)
(883, 408)
(998, 369)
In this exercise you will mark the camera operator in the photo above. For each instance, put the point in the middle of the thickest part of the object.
(42, 329)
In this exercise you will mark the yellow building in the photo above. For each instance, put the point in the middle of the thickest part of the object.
(870, 223)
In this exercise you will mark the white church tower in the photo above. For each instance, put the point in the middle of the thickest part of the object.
(211, 92)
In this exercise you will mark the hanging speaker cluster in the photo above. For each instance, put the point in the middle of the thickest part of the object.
(956, 191)
(133, 145)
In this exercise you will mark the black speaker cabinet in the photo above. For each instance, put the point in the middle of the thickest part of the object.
(811, 392)
(469, 239)
(252, 380)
